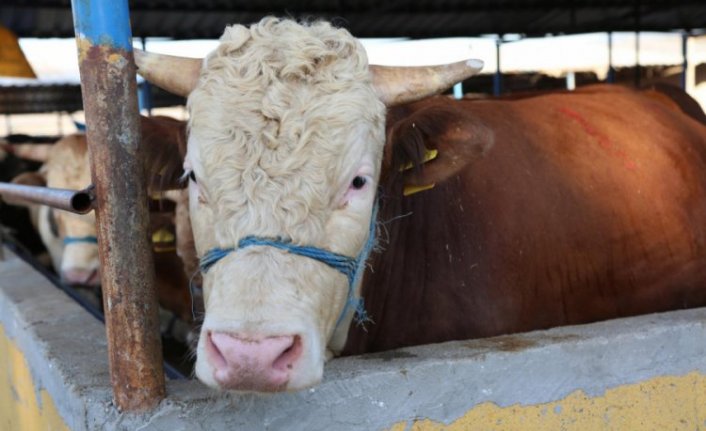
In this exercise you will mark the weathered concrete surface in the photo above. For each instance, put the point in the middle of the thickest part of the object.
(660, 403)
(64, 347)
(21, 407)
(68, 357)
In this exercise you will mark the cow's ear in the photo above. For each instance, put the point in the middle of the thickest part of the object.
(434, 143)
(163, 145)
(26, 179)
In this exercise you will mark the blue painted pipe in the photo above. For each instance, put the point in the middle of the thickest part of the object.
(498, 77)
(144, 95)
(103, 22)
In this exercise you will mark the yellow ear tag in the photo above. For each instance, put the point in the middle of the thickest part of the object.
(429, 155)
(410, 190)
(163, 241)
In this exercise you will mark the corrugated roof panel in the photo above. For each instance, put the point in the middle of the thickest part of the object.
(185, 19)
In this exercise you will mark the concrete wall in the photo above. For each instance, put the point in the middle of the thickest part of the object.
(644, 373)
(22, 405)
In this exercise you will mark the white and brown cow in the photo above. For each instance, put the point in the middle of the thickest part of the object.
(69, 238)
(287, 128)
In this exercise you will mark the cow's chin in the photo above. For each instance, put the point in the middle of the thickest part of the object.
(229, 358)
(80, 265)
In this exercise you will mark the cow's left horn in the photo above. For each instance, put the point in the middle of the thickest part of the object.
(177, 75)
(396, 85)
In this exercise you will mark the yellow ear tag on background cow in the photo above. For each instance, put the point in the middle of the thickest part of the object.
(163, 241)
(410, 190)
(429, 155)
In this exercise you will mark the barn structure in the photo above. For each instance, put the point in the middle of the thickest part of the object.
(61, 371)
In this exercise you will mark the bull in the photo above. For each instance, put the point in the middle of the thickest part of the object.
(546, 210)
(541, 211)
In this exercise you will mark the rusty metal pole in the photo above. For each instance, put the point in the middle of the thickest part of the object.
(109, 90)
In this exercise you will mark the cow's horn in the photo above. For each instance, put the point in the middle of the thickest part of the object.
(397, 85)
(177, 75)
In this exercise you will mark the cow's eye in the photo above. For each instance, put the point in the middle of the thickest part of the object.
(358, 182)
(192, 177)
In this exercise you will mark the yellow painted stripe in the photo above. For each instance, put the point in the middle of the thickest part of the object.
(662, 403)
(21, 407)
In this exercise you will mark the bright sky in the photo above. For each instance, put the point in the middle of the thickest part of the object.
(55, 59)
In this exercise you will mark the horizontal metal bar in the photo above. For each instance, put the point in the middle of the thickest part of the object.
(75, 201)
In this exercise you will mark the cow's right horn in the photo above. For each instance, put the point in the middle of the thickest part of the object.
(177, 75)
(396, 85)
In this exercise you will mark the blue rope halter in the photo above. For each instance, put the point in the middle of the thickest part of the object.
(76, 239)
(352, 268)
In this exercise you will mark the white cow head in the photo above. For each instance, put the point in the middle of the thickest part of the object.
(286, 140)
(69, 238)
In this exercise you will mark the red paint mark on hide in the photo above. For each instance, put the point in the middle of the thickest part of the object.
(602, 140)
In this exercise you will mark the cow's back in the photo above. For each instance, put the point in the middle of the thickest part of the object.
(589, 205)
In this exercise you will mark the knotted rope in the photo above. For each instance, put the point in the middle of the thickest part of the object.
(76, 239)
(352, 268)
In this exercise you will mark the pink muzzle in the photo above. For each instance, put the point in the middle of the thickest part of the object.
(262, 364)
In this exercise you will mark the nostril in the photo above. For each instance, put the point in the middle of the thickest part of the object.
(289, 356)
(252, 362)
(214, 354)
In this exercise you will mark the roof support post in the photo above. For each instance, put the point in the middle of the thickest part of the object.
(458, 90)
(638, 69)
(685, 56)
(571, 80)
(144, 97)
(498, 77)
(611, 69)
(109, 90)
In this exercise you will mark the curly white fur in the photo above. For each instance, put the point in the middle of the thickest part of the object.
(284, 116)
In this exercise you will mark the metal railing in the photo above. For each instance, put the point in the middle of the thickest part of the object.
(119, 198)
(109, 90)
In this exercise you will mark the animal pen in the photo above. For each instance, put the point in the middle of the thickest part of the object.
(646, 372)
